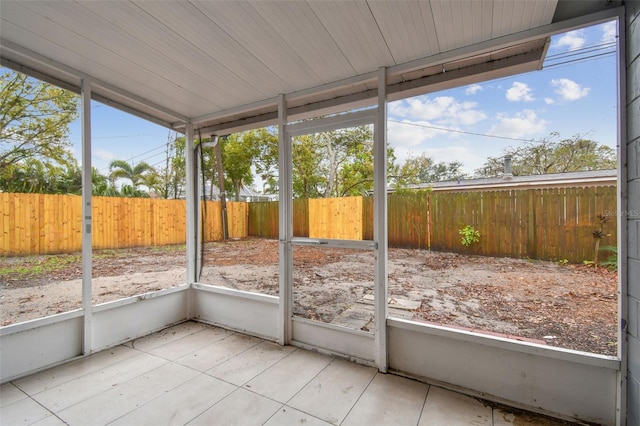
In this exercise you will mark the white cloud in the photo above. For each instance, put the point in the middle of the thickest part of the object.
(444, 110)
(104, 155)
(472, 90)
(573, 40)
(409, 134)
(609, 32)
(549, 101)
(449, 154)
(569, 90)
(519, 125)
(519, 92)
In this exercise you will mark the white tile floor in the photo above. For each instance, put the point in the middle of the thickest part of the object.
(200, 375)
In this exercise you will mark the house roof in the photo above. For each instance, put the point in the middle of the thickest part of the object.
(223, 64)
(587, 178)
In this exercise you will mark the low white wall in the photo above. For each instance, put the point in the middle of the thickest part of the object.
(34, 345)
(558, 381)
(356, 345)
(31, 346)
(553, 380)
(250, 313)
(122, 320)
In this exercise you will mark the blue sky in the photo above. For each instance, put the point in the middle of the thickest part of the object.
(570, 98)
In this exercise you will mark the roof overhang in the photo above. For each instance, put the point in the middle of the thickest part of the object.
(223, 65)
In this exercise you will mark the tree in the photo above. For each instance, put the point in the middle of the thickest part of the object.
(266, 160)
(35, 176)
(120, 169)
(422, 169)
(34, 121)
(238, 153)
(171, 178)
(307, 179)
(102, 186)
(552, 155)
(333, 164)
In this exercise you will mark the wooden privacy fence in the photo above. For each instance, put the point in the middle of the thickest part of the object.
(48, 224)
(553, 223)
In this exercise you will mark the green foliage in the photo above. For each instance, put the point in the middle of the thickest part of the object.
(552, 155)
(307, 174)
(334, 164)
(611, 262)
(34, 120)
(34, 129)
(173, 176)
(32, 175)
(469, 235)
(422, 169)
(120, 169)
(239, 151)
(266, 162)
(563, 261)
(39, 266)
(322, 160)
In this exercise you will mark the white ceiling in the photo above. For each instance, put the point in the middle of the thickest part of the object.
(205, 60)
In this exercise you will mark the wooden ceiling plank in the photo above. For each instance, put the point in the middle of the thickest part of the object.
(247, 27)
(296, 23)
(125, 76)
(171, 56)
(192, 25)
(354, 30)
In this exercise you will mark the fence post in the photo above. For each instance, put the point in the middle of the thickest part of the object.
(532, 226)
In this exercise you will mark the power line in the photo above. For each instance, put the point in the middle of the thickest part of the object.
(141, 154)
(573, 52)
(600, 55)
(459, 131)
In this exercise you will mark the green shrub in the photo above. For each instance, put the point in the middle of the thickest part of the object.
(469, 235)
(610, 262)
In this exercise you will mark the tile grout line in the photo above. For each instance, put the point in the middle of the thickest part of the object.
(231, 333)
(51, 412)
(283, 403)
(92, 372)
(311, 379)
(80, 376)
(247, 381)
(358, 399)
(424, 404)
(200, 373)
(132, 342)
(267, 369)
(119, 384)
(294, 395)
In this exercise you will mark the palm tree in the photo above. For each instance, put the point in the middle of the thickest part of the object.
(120, 169)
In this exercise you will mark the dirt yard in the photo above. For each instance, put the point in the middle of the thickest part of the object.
(570, 306)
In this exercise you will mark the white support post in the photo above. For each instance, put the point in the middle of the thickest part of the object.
(192, 204)
(87, 189)
(285, 207)
(622, 236)
(380, 223)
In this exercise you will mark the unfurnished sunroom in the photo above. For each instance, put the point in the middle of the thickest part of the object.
(209, 69)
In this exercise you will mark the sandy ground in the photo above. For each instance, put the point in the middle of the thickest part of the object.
(571, 306)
